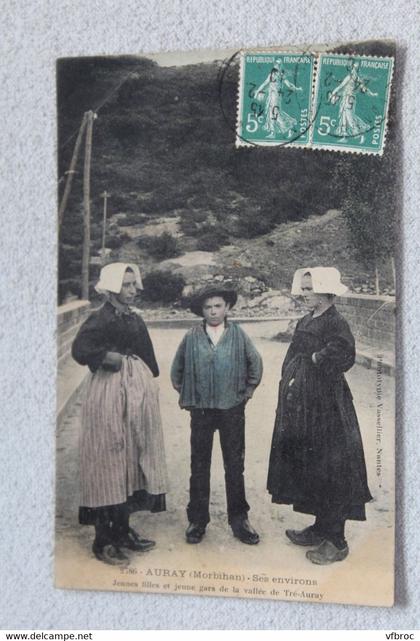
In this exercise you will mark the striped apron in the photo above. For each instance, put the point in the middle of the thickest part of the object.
(121, 444)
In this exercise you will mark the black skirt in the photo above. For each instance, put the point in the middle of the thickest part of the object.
(139, 501)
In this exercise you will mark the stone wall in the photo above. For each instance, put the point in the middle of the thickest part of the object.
(371, 318)
(69, 319)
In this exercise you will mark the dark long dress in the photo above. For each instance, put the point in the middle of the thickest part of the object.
(316, 461)
(113, 444)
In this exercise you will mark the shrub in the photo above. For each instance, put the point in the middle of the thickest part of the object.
(163, 286)
(160, 247)
(114, 242)
(69, 261)
(194, 222)
(69, 287)
(124, 236)
(208, 243)
(128, 128)
(252, 224)
(122, 201)
(95, 230)
(163, 201)
(199, 215)
(95, 244)
(189, 227)
(72, 233)
(212, 239)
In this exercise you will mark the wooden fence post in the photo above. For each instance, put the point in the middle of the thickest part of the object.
(105, 197)
(86, 207)
(71, 171)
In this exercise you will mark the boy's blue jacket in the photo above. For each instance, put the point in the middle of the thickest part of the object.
(218, 377)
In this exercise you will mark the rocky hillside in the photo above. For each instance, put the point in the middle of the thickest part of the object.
(262, 270)
(163, 148)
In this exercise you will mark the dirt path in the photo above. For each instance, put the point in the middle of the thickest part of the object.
(369, 563)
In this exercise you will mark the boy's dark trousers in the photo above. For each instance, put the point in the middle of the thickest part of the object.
(231, 426)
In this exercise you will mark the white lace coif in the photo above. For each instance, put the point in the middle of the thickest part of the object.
(325, 280)
(112, 275)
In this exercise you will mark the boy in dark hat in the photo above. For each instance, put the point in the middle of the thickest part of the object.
(216, 370)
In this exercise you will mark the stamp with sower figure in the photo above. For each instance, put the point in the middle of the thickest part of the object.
(275, 98)
(347, 111)
(351, 102)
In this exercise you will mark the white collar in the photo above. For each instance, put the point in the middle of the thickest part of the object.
(215, 332)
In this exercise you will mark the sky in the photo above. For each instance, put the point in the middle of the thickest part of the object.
(181, 58)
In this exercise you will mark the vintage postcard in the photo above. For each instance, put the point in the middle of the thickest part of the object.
(226, 323)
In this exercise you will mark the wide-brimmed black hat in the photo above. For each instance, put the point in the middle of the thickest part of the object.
(197, 301)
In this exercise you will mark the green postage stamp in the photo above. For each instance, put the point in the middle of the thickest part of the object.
(275, 98)
(325, 101)
(351, 102)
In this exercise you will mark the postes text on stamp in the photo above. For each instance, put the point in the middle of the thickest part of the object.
(351, 103)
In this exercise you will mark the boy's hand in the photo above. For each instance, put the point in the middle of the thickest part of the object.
(249, 393)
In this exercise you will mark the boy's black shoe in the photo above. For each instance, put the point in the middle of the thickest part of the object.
(243, 531)
(195, 532)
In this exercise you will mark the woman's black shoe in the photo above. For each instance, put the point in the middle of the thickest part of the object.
(132, 541)
(308, 537)
(110, 554)
(327, 553)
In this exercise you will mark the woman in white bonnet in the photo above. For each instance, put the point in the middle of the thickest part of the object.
(122, 460)
(317, 461)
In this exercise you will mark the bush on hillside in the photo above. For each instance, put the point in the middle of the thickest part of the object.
(122, 201)
(114, 242)
(208, 243)
(163, 201)
(160, 247)
(163, 286)
(189, 226)
(129, 127)
(212, 239)
(253, 223)
(95, 244)
(67, 288)
(71, 233)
